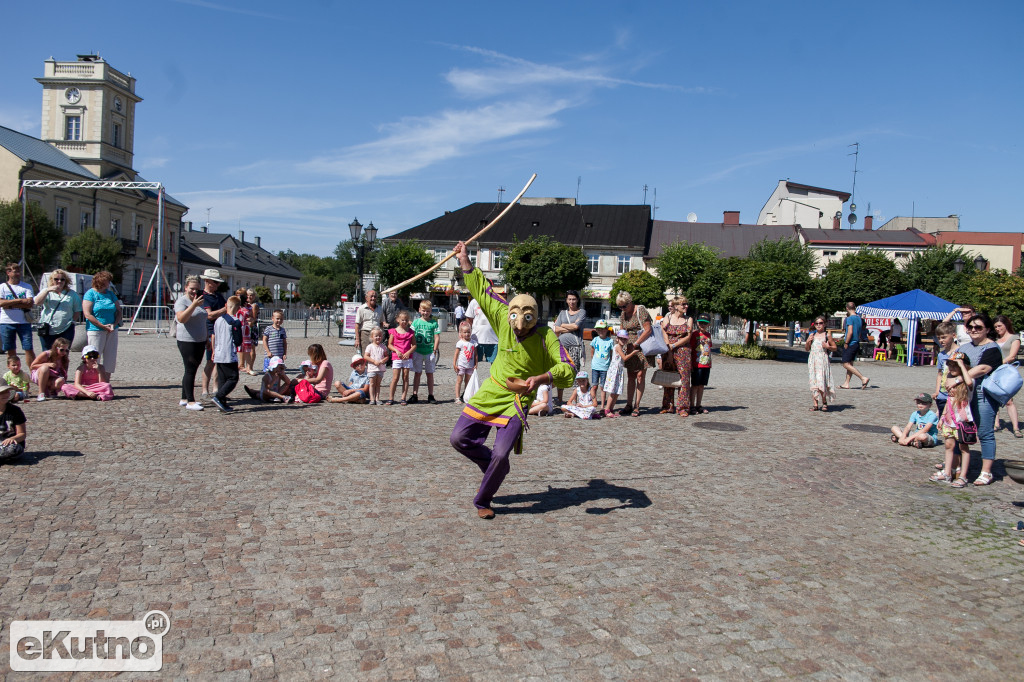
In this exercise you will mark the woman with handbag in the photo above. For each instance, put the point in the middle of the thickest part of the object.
(1009, 345)
(985, 356)
(677, 328)
(637, 323)
(61, 308)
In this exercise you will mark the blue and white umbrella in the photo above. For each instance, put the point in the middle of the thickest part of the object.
(913, 306)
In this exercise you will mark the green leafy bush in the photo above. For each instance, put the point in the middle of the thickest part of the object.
(751, 352)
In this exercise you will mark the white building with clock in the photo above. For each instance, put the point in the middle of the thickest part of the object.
(88, 133)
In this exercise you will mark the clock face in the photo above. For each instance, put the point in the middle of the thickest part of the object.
(117, 103)
(73, 95)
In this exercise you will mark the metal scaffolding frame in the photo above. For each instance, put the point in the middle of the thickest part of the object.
(118, 185)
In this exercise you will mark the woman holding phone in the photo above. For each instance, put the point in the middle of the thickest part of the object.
(191, 333)
(819, 372)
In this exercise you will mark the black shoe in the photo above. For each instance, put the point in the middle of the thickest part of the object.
(413, 399)
(430, 399)
(221, 405)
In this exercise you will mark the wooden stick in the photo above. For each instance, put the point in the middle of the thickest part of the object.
(468, 241)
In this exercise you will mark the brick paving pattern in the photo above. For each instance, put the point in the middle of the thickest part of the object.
(339, 541)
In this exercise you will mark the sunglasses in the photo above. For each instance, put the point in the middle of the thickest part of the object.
(91, 356)
(976, 327)
(58, 279)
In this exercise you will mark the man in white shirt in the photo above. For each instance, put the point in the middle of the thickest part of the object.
(15, 299)
(368, 316)
(487, 340)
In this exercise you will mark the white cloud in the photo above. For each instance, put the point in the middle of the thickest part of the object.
(20, 120)
(417, 142)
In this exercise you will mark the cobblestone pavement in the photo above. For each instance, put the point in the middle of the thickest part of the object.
(339, 541)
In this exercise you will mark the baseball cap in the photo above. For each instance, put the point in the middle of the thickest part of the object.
(356, 359)
(925, 398)
(90, 349)
(4, 386)
(601, 324)
(704, 320)
(582, 374)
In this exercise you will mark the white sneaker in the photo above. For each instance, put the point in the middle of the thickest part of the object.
(193, 406)
(41, 398)
(182, 403)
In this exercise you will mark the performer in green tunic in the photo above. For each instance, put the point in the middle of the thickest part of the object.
(528, 356)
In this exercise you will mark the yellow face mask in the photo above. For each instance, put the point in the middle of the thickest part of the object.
(522, 313)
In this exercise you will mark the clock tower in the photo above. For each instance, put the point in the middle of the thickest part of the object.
(89, 114)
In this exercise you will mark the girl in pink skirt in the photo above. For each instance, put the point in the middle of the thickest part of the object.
(92, 382)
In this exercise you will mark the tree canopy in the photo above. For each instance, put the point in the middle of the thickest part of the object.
(681, 264)
(398, 261)
(765, 291)
(934, 270)
(43, 239)
(861, 276)
(997, 293)
(89, 252)
(544, 267)
(645, 288)
(316, 290)
(787, 251)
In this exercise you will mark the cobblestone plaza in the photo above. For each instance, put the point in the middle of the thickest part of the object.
(759, 541)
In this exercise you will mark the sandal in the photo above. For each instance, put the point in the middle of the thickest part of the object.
(940, 466)
(984, 478)
(940, 477)
(636, 413)
(814, 409)
(1017, 433)
(959, 483)
(610, 415)
(824, 408)
(403, 403)
(667, 410)
(917, 444)
(894, 439)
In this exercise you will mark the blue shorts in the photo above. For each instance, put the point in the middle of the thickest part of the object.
(362, 391)
(22, 331)
(597, 376)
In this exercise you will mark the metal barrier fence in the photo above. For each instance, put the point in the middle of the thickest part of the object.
(143, 318)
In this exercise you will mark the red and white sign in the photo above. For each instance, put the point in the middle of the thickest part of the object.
(344, 297)
(877, 325)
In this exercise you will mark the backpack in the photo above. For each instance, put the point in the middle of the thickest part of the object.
(236, 333)
(1003, 383)
(305, 393)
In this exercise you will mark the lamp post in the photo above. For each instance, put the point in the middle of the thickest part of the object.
(958, 264)
(360, 243)
(980, 264)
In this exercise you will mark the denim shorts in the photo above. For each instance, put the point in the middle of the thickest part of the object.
(22, 331)
(597, 376)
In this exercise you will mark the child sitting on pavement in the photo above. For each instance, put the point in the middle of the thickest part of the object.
(50, 369)
(544, 403)
(12, 426)
(17, 378)
(356, 389)
(922, 429)
(275, 386)
(581, 402)
(92, 382)
(319, 373)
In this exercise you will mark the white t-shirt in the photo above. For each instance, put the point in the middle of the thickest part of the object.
(467, 354)
(10, 292)
(481, 327)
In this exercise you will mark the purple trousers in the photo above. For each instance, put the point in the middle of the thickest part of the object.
(469, 436)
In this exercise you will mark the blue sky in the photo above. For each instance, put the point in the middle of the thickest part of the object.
(289, 120)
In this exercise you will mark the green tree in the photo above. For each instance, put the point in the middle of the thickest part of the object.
(89, 252)
(263, 294)
(681, 264)
(765, 291)
(998, 293)
(788, 251)
(934, 270)
(316, 290)
(396, 262)
(310, 264)
(43, 239)
(544, 267)
(861, 276)
(645, 288)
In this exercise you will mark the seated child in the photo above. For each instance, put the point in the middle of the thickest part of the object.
(49, 370)
(12, 426)
(922, 430)
(92, 382)
(581, 402)
(275, 387)
(544, 403)
(356, 389)
(316, 386)
(17, 378)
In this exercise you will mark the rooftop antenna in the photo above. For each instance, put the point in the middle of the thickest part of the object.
(654, 204)
(208, 218)
(579, 181)
(856, 157)
(501, 192)
(645, 194)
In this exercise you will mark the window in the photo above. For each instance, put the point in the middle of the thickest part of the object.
(138, 232)
(439, 254)
(115, 227)
(472, 257)
(115, 135)
(625, 264)
(829, 253)
(86, 219)
(903, 254)
(170, 243)
(60, 218)
(594, 263)
(73, 128)
(496, 260)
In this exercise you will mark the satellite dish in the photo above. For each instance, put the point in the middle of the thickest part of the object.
(691, 217)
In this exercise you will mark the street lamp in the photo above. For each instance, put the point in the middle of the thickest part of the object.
(958, 264)
(980, 263)
(360, 243)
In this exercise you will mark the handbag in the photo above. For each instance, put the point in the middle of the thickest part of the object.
(1003, 383)
(967, 433)
(666, 379)
(655, 343)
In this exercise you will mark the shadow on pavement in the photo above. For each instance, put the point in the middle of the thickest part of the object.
(562, 498)
(30, 458)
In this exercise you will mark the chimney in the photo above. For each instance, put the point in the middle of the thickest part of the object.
(241, 236)
(836, 221)
(730, 217)
(258, 242)
(869, 222)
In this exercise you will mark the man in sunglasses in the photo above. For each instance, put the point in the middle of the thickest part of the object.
(16, 298)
